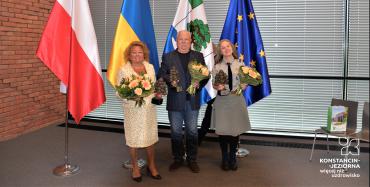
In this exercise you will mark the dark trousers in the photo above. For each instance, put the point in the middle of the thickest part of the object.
(189, 119)
(228, 145)
(206, 123)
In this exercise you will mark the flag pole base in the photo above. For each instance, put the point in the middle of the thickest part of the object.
(242, 152)
(66, 170)
(140, 162)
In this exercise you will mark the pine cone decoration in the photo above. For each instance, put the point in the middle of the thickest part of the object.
(160, 87)
(175, 77)
(221, 78)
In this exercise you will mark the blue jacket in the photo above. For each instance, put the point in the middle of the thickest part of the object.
(176, 100)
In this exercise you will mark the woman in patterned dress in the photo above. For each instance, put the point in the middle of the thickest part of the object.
(140, 123)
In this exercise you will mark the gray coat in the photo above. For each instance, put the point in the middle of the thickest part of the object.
(234, 69)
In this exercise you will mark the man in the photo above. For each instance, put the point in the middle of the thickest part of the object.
(182, 107)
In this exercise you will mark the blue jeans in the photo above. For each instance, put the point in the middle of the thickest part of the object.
(190, 119)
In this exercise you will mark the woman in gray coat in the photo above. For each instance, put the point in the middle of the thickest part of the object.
(230, 115)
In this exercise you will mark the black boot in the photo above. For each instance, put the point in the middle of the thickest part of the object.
(232, 154)
(225, 162)
(224, 153)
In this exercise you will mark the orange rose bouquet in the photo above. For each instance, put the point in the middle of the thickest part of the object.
(135, 88)
(248, 75)
(198, 73)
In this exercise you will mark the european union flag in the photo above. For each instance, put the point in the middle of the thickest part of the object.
(241, 28)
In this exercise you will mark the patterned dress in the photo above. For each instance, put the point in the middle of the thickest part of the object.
(140, 123)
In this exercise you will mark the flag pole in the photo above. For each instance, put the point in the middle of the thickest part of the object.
(140, 162)
(67, 169)
(241, 152)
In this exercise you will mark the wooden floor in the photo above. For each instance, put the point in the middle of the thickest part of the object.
(29, 160)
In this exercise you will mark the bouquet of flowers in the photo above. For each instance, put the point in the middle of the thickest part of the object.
(175, 77)
(248, 75)
(198, 73)
(220, 78)
(135, 88)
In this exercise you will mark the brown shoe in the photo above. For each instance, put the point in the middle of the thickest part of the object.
(175, 165)
(193, 165)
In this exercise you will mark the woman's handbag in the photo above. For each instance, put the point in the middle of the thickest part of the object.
(157, 101)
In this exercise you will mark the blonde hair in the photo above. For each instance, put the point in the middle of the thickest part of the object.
(126, 54)
(219, 56)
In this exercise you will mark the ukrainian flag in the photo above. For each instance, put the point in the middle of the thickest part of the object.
(134, 24)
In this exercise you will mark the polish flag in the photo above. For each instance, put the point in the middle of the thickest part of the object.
(69, 48)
